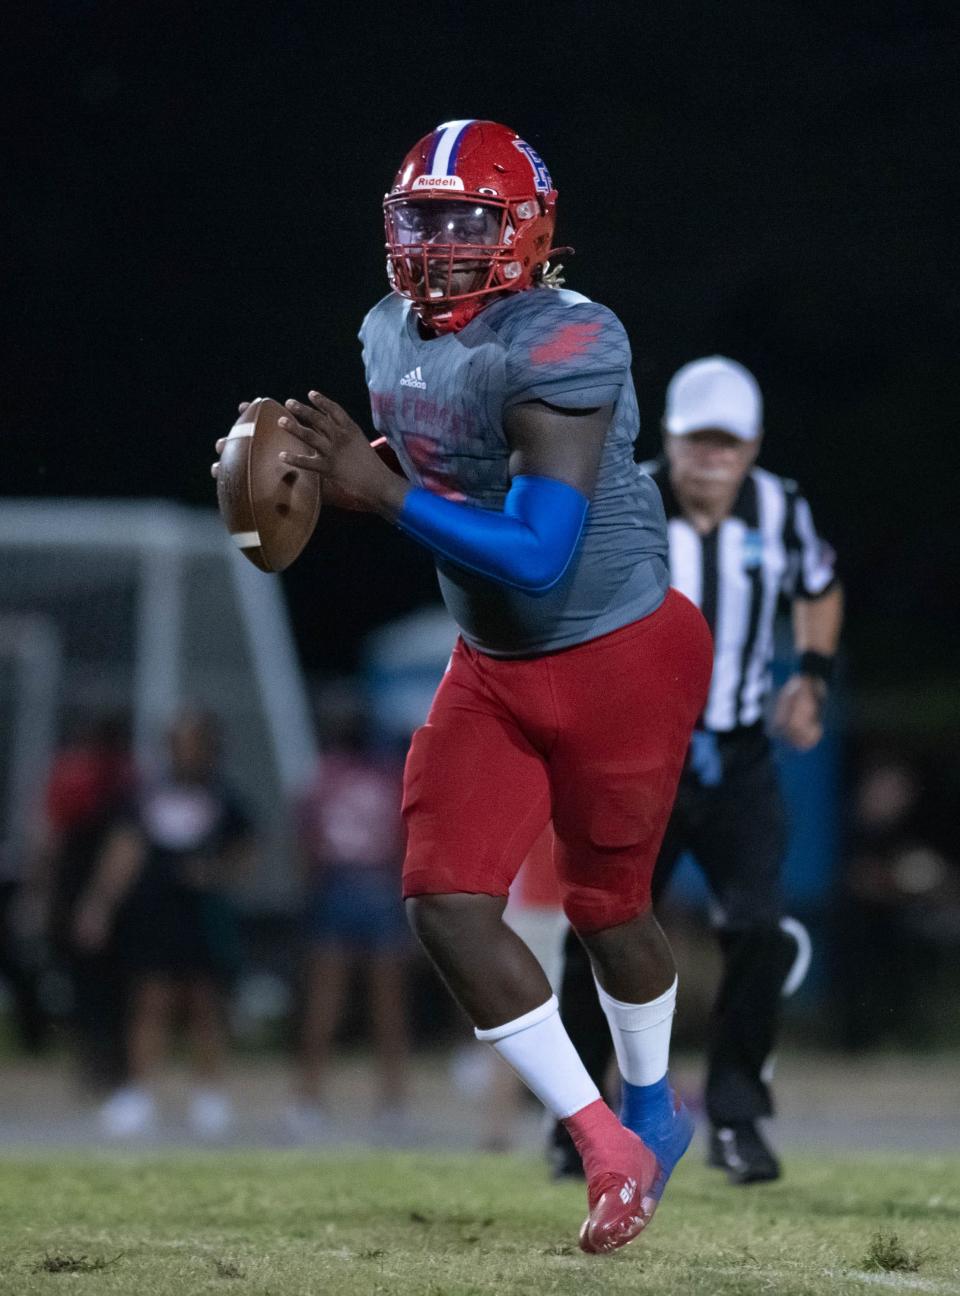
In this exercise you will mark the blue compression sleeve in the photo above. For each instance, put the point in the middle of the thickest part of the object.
(528, 546)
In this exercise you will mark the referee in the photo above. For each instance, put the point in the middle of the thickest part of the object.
(740, 538)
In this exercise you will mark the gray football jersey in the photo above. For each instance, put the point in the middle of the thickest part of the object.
(440, 404)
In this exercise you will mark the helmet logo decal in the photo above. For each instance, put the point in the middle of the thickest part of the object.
(446, 145)
(541, 176)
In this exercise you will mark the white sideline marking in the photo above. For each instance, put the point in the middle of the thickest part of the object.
(245, 539)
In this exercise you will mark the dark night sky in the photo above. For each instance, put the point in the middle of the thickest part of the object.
(195, 218)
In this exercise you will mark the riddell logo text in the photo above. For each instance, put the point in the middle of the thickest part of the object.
(438, 182)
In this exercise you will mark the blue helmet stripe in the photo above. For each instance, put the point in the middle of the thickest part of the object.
(452, 164)
(443, 154)
(437, 136)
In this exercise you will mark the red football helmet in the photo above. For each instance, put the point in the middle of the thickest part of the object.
(471, 213)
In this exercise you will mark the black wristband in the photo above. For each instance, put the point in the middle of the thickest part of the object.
(816, 665)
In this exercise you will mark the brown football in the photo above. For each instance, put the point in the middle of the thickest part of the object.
(269, 508)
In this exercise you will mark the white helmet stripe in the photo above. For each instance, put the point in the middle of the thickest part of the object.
(445, 149)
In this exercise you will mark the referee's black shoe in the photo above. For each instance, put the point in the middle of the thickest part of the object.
(743, 1152)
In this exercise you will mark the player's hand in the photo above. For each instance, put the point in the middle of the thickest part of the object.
(798, 716)
(215, 467)
(337, 449)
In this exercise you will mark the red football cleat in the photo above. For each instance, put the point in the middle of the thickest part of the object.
(621, 1203)
(622, 1174)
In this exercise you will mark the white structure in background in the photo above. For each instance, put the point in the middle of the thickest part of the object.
(30, 670)
(146, 605)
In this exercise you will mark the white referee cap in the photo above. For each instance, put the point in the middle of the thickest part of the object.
(714, 393)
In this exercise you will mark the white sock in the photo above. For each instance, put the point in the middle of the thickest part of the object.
(539, 1049)
(641, 1034)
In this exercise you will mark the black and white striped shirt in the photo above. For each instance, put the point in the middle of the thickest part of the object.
(765, 547)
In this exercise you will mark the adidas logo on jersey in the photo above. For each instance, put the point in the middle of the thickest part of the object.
(413, 379)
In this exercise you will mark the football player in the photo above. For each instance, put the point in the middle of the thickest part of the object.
(579, 674)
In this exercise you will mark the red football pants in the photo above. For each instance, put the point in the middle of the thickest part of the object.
(593, 737)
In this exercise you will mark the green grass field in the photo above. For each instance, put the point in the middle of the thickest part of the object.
(292, 1224)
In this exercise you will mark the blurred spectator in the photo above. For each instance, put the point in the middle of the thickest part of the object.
(88, 780)
(20, 964)
(899, 906)
(161, 892)
(351, 846)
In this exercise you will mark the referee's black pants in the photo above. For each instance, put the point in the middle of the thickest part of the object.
(729, 814)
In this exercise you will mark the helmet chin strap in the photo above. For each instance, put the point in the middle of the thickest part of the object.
(451, 317)
(446, 316)
(459, 314)
(454, 318)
